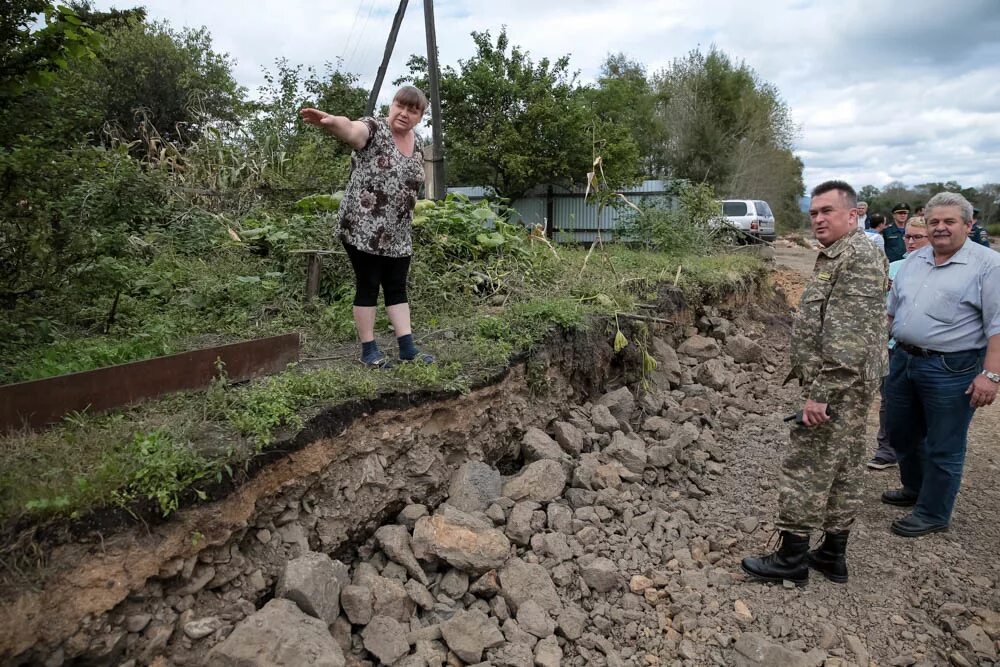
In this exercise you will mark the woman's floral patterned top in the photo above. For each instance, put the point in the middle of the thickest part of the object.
(376, 214)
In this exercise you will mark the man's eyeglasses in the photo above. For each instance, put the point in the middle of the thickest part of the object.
(914, 237)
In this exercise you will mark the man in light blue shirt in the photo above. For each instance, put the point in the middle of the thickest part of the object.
(944, 313)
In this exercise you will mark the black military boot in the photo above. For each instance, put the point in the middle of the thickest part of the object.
(788, 562)
(830, 558)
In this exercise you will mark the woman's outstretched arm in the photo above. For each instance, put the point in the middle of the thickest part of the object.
(354, 133)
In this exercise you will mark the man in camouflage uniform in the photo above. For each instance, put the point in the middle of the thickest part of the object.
(838, 355)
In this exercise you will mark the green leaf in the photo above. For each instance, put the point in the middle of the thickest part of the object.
(620, 341)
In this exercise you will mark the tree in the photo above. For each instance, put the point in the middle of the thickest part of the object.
(32, 57)
(623, 98)
(511, 123)
(725, 127)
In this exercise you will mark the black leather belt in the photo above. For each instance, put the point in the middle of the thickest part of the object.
(917, 351)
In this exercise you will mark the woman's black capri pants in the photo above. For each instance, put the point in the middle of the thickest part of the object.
(371, 271)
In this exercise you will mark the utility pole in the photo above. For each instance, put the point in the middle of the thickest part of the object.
(437, 188)
(389, 45)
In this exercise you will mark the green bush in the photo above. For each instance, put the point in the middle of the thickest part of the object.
(68, 239)
(691, 227)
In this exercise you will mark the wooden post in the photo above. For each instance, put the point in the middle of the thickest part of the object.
(390, 43)
(430, 173)
(433, 73)
(312, 276)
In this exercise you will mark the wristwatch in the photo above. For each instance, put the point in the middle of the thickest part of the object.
(991, 376)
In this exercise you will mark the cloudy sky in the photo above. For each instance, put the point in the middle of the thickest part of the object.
(882, 90)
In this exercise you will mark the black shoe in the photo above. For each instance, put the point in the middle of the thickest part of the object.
(899, 498)
(830, 559)
(788, 562)
(911, 526)
(879, 463)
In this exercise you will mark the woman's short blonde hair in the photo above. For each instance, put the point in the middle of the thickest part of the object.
(411, 96)
(917, 221)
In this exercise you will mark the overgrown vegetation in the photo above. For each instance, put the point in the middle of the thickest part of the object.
(482, 293)
(148, 207)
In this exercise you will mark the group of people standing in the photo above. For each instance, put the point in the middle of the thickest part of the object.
(890, 235)
(941, 307)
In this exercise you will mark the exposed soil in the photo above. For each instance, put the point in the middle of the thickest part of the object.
(930, 601)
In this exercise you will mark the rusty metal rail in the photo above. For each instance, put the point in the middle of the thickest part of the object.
(39, 402)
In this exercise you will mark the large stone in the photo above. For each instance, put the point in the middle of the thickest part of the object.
(569, 437)
(395, 542)
(278, 635)
(357, 602)
(454, 584)
(571, 622)
(599, 573)
(668, 367)
(661, 427)
(469, 633)
(520, 582)
(603, 420)
(548, 652)
(385, 638)
(519, 528)
(313, 582)
(474, 486)
(620, 402)
(560, 518)
(389, 598)
(976, 639)
(461, 541)
(586, 471)
(537, 445)
(753, 650)
(629, 451)
(417, 592)
(408, 515)
(660, 456)
(535, 620)
(540, 481)
(700, 347)
(743, 350)
(486, 586)
(713, 374)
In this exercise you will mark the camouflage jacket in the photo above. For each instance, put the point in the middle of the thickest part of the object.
(840, 333)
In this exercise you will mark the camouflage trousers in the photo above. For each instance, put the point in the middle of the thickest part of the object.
(821, 477)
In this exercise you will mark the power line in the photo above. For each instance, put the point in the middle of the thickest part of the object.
(350, 33)
(364, 27)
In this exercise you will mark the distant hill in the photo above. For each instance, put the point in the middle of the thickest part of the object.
(804, 204)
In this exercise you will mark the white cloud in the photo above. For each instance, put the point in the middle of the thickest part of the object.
(895, 90)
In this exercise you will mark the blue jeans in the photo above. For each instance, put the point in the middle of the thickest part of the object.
(928, 416)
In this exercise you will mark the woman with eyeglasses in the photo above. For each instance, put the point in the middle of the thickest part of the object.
(915, 237)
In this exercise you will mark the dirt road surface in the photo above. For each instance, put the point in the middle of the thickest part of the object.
(907, 599)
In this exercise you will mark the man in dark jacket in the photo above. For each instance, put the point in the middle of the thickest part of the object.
(895, 246)
(979, 233)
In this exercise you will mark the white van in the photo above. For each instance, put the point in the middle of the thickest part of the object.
(753, 216)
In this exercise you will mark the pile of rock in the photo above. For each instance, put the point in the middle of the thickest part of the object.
(591, 554)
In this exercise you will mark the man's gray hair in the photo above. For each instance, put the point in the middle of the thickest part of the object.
(949, 199)
(862, 203)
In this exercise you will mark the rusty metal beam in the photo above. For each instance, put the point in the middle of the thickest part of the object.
(39, 402)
